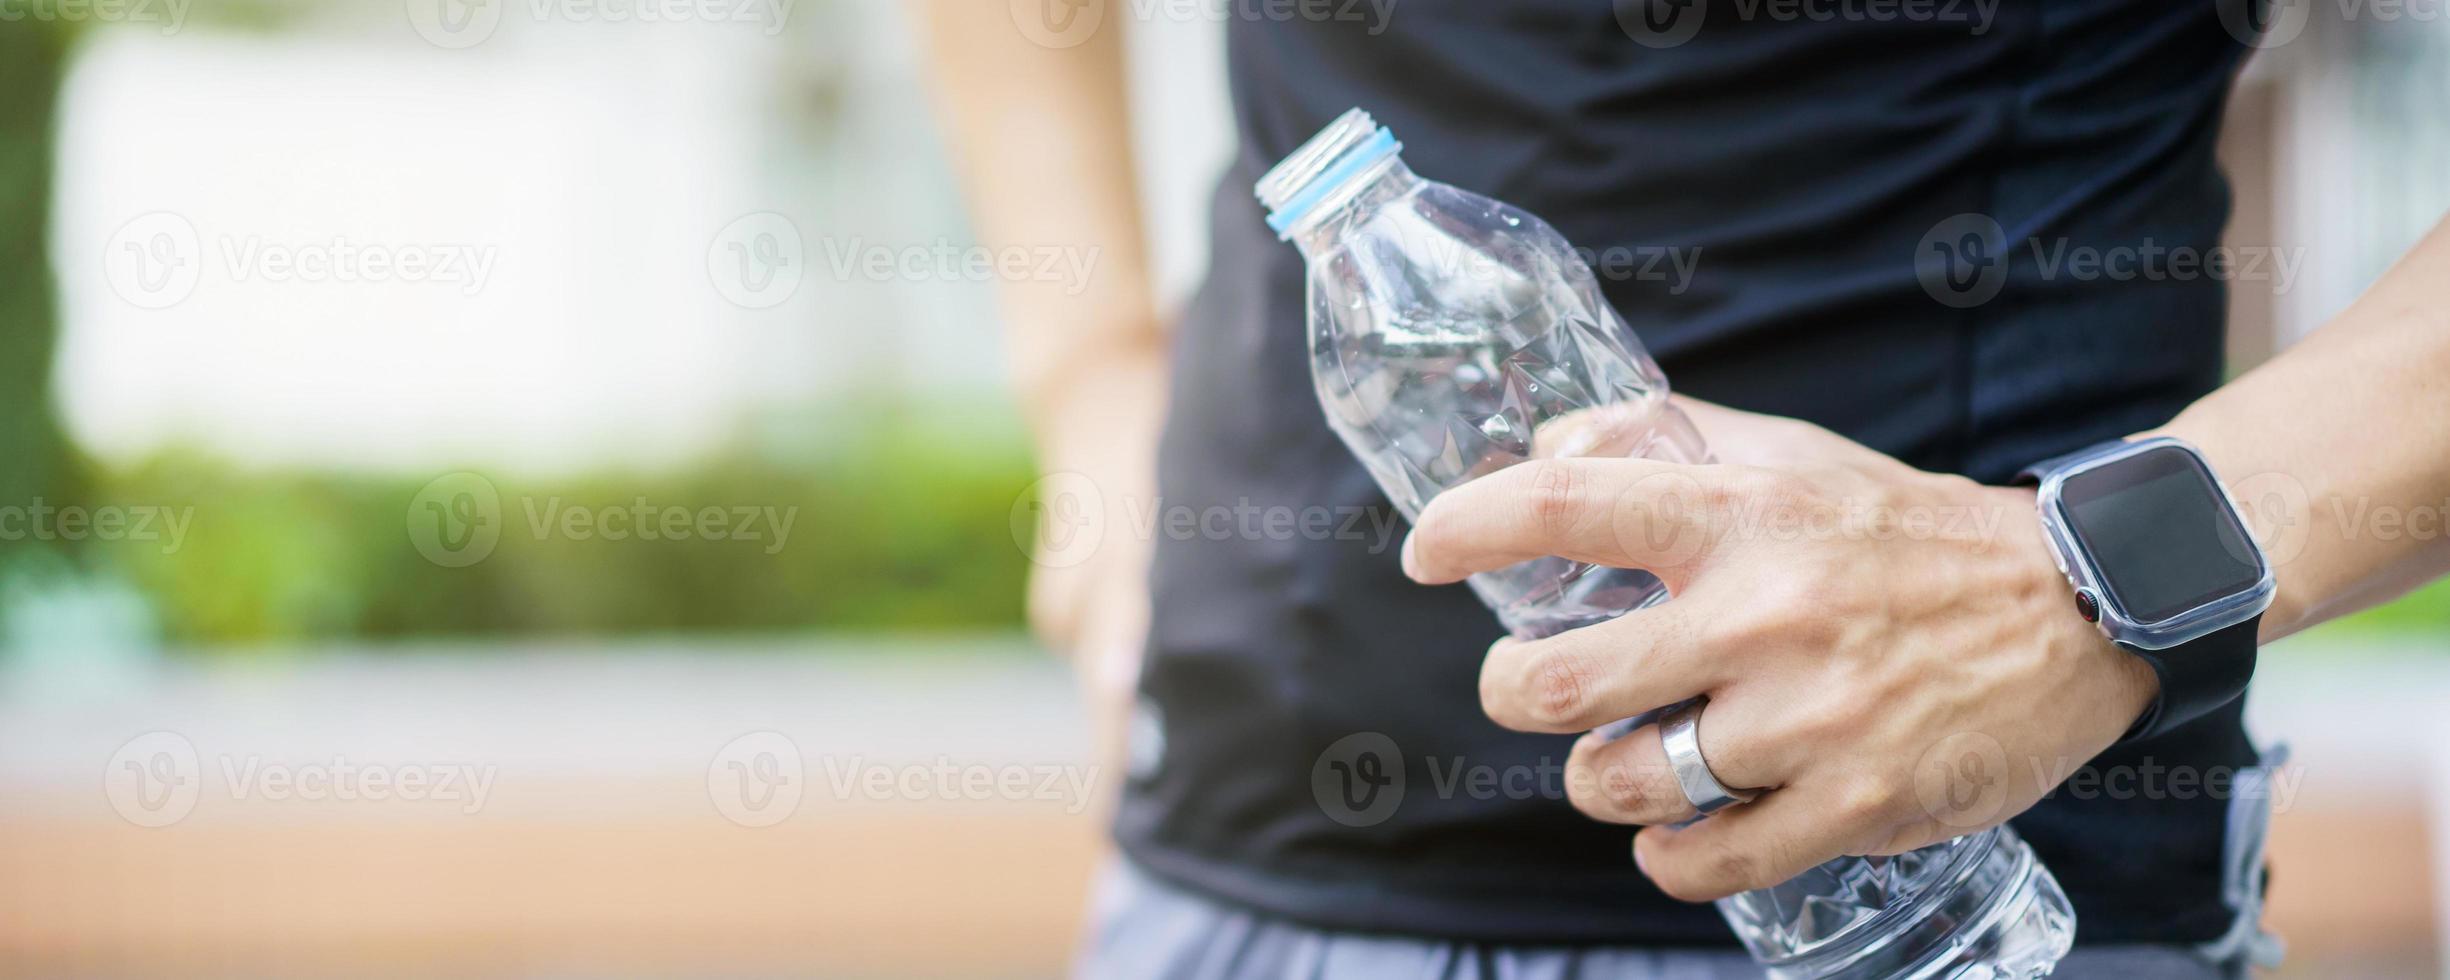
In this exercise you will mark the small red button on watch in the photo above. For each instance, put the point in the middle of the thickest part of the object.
(2088, 606)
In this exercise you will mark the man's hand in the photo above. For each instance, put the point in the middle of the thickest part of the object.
(1088, 594)
(1889, 654)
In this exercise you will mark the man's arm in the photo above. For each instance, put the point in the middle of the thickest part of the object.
(1853, 620)
(1044, 142)
(2338, 450)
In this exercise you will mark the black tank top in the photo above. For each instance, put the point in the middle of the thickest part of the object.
(1312, 744)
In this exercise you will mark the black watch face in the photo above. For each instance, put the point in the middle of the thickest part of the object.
(2160, 533)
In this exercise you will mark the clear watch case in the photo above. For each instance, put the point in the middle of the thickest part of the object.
(2117, 618)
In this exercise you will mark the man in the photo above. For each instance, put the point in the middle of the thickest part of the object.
(1809, 164)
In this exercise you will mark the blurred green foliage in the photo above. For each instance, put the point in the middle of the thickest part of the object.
(894, 532)
(2424, 612)
(34, 458)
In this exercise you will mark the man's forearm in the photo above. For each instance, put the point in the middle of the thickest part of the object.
(1044, 137)
(2339, 449)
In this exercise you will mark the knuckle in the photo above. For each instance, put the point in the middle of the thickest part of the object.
(1731, 869)
(1721, 869)
(1561, 683)
(1905, 838)
(1626, 792)
(1755, 483)
(1792, 608)
(1554, 497)
(1794, 497)
(1867, 801)
(1623, 789)
(1751, 488)
(1749, 623)
(1811, 614)
(1820, 722)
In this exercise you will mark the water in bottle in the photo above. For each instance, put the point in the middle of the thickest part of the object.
(1452, 336)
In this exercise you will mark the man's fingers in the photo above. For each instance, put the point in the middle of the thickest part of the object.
(1629, 780)
(1581, 679)
(1627, 513)
(1759, 844)
(1625, 780)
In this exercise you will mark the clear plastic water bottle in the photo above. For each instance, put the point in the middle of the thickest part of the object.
(1452, 336)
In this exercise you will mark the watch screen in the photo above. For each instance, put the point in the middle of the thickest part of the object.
(2161, 535)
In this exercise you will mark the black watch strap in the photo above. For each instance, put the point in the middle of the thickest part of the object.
(2198, 677)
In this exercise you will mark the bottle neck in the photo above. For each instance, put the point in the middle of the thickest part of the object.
(1351, 203)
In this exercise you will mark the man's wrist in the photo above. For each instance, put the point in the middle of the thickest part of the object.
(1058, 376)
(2127, 687)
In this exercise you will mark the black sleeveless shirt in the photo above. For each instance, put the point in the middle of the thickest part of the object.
(1311, 743)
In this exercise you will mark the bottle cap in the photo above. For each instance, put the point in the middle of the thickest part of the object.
(1310, 175)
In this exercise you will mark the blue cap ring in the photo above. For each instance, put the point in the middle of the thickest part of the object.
(1379, 146)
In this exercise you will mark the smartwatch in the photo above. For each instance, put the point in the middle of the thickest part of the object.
(2162, 563)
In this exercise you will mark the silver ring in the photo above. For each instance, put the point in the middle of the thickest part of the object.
(1680, 735)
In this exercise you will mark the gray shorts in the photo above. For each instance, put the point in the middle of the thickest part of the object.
(1144, 928)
